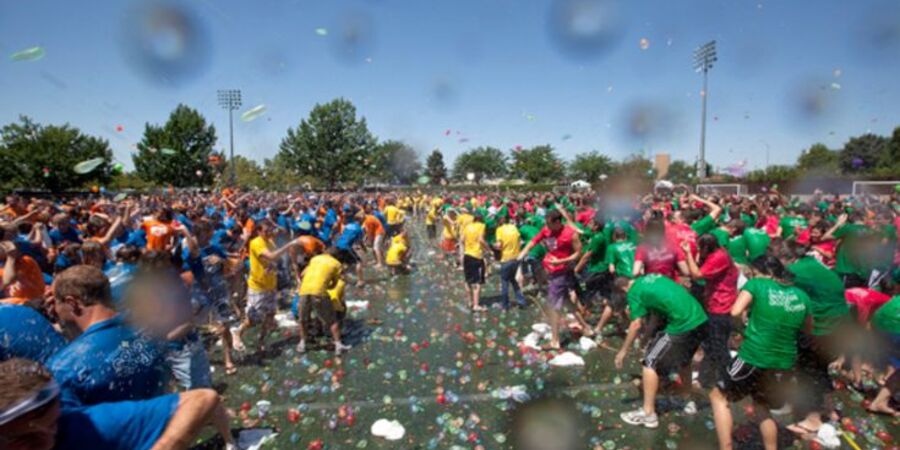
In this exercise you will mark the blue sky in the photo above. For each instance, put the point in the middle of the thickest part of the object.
(494, 72)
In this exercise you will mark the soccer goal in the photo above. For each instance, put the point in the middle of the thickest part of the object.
(874, 187)
(722, 189)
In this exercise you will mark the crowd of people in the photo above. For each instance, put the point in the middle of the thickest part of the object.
(770, 297)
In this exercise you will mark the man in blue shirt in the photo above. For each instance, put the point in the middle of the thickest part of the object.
(32, 417)
(26, 334)
(108, 361)
(350, 236)
(63, 230)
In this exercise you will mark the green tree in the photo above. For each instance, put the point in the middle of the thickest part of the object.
(890, 161)
(682, 173)
(636, 167)
(435, 168)
(37, 156)
(332, 145)
(278, 175)
(484, 162)
(772, 174)
(247, 173)
(396, 162)
(590, 166)
(862, 154)
(177, 153)
(818, 158)
(537, 164)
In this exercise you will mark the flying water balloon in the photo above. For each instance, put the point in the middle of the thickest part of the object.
(88, 166)
(251, 114)
(28, 54)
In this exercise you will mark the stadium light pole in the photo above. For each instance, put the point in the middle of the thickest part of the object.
(704, 57)
(230, 99)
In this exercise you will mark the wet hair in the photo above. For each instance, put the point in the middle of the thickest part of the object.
(737, 226)
(128, 254)
(87, 283)
(333, 251)
(771, 266)
(791, 250)
(655, 230)
(553, 216)
(21, 378)
(621, 283)
(619, 234)
(707, 244)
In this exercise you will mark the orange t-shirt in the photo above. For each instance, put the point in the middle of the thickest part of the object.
(29, 283)
(159, 235)
(372, 226)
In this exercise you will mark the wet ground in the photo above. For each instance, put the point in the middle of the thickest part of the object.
(455, 380)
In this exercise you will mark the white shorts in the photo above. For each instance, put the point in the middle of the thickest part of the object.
(260, 305)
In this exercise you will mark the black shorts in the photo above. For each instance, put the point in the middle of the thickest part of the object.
(597, 285)
(347, 257)
(473, 269)
(764, 386)
(431, 230)
(667, 353)
(392, 230)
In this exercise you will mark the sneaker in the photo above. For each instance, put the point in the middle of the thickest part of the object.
(690, 408)
(301, 347)
(341, 348)
(639, 417)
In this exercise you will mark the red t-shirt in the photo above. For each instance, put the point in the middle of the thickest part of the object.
(771, 226)
(663, 261)
(676, 233)
(559, 245)
(721, 277)
(826, 251)
(867, 301)
(584, 217)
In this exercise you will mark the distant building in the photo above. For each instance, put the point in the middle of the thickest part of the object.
(661, 164)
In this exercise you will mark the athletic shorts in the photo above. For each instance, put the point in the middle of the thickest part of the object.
(473, 269)
(764, 386)
(667, 353)
(347, 257)
(260, 305)
(392, 229)
(321, 304)
(560, 284)
(378, 241)
(431, 230)
(448, 245)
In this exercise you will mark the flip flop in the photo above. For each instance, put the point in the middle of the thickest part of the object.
(806, 432)
(230, 370)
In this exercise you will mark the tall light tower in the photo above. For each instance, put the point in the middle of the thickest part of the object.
(704, 57)
(230, 99)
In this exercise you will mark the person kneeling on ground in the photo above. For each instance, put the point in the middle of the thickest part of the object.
(322, 274)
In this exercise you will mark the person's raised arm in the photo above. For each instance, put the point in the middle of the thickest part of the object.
(714, 210)
(9, 269)
(829, 235)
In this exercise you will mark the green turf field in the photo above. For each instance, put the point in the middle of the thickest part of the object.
(422, 359)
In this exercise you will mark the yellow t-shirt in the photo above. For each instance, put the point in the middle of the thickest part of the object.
(393, 215)
(429, 218)
(396, 251)
(321, 274)
(462, 220)
(472, 236)
(449, 228)
(262, 277)
(508, 238)
(336, 294)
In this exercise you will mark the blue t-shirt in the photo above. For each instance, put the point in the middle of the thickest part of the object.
(352, 233)
(109, 362)
(24, 333)
(129, 425)
(119, 276)
(26, 247)
(70, 235)
(380, 216)
(195, 264)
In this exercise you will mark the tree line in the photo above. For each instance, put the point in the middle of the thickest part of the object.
(333, 147)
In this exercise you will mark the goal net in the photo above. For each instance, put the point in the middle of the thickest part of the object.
(722, 189)
(874, 187)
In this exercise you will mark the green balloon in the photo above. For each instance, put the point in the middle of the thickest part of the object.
(118, 168)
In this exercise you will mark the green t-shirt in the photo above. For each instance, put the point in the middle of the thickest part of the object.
(737, 249)
(629, 229)
(789, 223)
(704, 225)
(528, 232)
(749, 219)
(850, 258)
(825, 291)
(661, 294)
(777, 314)
(597, 247)
(721, 236)
(887, 318)
(757, 242)
(621, 256)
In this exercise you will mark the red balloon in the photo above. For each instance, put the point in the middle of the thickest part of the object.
(293, 415)
(245, 406)
(813, 445)
(315, 445)
(441, 399)
(885, 437)
(479, 363)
